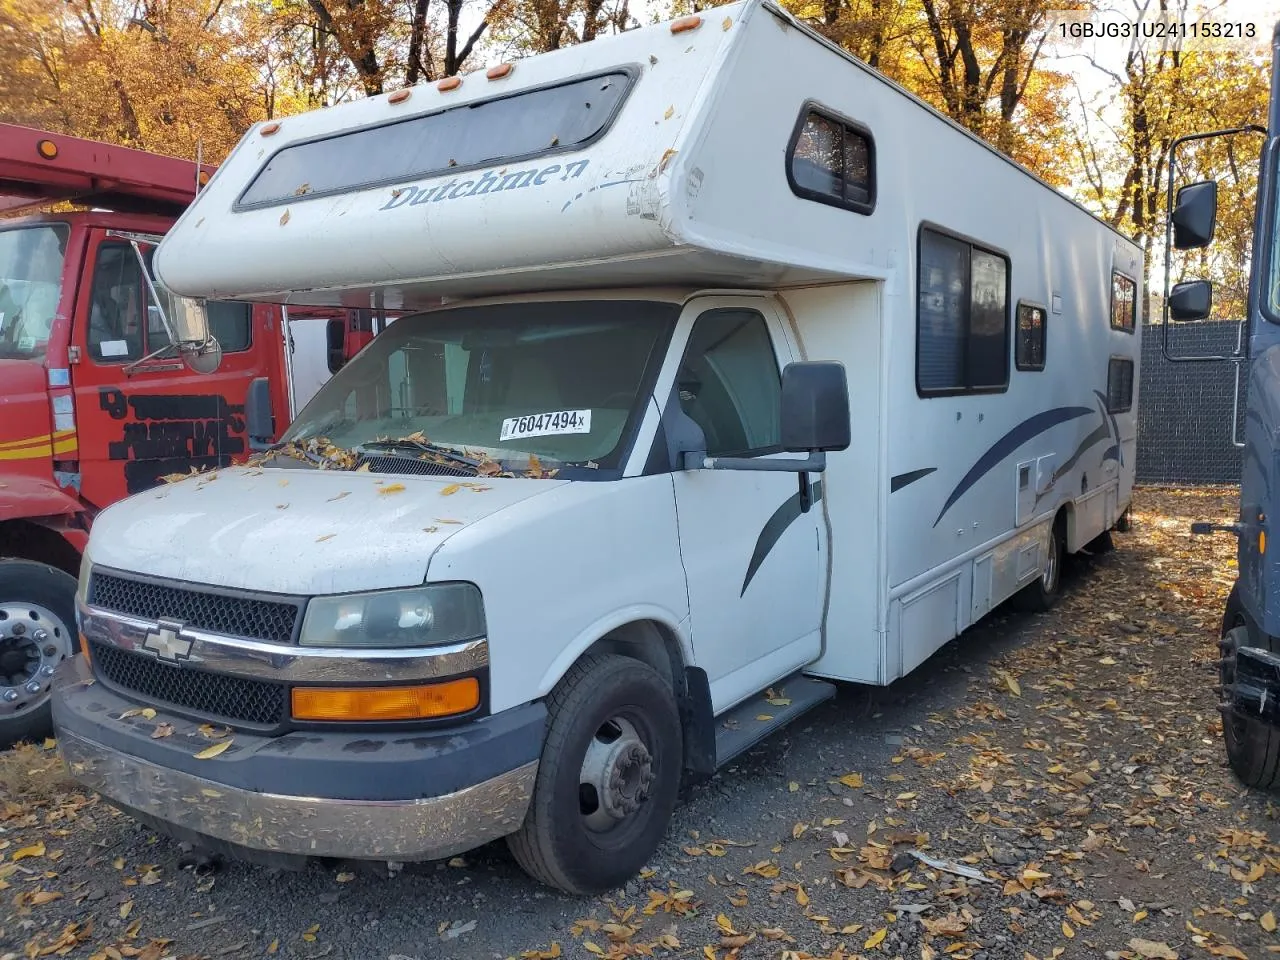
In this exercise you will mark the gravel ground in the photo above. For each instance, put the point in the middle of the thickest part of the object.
(1071, 760)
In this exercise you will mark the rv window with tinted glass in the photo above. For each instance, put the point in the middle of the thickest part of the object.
(832, 161)
(962, 317)
(509, 129)
(1030, 336)
(1119, 385)
(1124, 302)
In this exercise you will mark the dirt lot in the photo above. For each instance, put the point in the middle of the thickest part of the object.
(1073, 760)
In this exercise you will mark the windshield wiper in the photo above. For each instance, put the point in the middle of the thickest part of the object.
(435, 450)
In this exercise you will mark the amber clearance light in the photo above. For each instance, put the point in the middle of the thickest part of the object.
(386, 703)
(47, 149)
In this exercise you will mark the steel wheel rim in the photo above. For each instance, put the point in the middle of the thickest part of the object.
(33, 641)
(1051, 566)
(616, 776)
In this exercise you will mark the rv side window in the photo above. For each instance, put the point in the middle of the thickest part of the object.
(533, 123)
(832, 160)
(1119, 385)
(729, 384)
(962, 317)
(1029, 354)
(1124, 302)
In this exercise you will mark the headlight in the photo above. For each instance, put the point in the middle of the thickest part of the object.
(428, 616)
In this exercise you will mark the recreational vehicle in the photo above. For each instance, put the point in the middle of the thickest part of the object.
(748, 380)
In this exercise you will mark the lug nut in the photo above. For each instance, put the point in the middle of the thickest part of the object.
(32, 687)
(19, 629)
(50, 650)
(46, 671)
(10, 696)
(40, 635)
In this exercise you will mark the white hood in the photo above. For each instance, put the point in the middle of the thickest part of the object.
(297, 531)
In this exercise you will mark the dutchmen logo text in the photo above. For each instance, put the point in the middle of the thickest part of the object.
(164, 642)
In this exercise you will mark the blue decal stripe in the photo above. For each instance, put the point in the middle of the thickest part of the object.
(905, 479)
(773, 530)
(1031, 427)
(1115, 427)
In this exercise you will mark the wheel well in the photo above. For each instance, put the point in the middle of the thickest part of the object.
(1065, 523)
(651, 643)
(24, 540)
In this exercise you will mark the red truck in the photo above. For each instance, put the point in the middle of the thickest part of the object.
(94, 405)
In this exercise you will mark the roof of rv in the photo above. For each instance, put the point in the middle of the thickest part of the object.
(656, 156)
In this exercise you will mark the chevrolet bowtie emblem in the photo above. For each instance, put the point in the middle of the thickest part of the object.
(163, 640)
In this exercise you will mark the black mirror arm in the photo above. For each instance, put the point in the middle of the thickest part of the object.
(816, 462)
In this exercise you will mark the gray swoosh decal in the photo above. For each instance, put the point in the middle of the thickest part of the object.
(773, 530)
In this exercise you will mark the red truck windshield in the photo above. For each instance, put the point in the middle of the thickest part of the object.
(30, 282)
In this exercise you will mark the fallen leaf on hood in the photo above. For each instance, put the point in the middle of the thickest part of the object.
(327, 536)
(211, 751)
(344, 493)
(391, 488)
(450, 490)
(442, 520)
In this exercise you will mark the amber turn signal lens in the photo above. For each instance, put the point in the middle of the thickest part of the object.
(386, 703)
(47, 149)
(84, 648)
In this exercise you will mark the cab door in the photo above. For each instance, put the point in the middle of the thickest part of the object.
(755, 563)
(138, 418)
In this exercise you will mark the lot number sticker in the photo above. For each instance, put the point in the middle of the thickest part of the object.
(546, 424)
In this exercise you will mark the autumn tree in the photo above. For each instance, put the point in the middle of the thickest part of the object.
(1161, 92)
(162, 76)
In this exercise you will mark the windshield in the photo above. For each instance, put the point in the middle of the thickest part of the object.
(505, 385)
(30, 283)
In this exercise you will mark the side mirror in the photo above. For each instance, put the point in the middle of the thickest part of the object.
(1194, 213)
(815, 407)
(259, 422)
(1192, 300)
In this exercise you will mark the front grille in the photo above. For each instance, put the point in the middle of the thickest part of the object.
(233, 700)
(233, 616)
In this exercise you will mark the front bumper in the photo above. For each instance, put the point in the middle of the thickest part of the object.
(1255, 693)
(404, 796)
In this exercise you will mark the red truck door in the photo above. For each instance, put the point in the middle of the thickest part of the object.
(140, 421)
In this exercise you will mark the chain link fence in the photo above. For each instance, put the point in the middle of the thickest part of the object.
(1185, 409)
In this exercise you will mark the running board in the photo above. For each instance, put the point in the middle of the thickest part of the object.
(748, 723)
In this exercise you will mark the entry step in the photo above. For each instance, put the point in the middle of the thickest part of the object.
(749, 722)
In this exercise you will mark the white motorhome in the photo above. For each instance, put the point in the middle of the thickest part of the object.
(756, 373)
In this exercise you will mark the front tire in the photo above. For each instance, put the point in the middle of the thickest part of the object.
(608, 778)
(1253, 747)
(37, 632)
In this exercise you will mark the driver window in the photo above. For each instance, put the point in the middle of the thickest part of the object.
(729, 383)
(118, 306)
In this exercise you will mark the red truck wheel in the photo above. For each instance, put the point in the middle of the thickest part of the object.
(37, 632)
